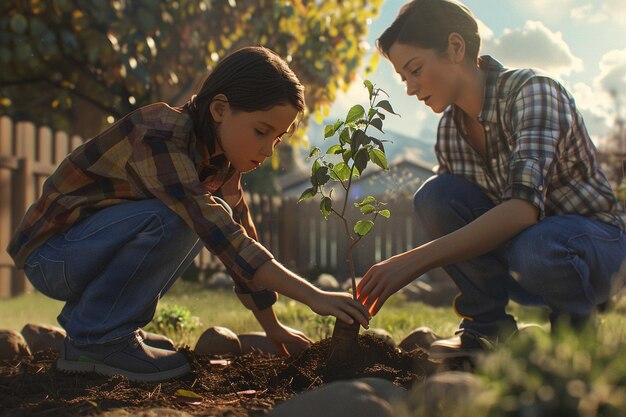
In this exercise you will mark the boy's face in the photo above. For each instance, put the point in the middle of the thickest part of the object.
(429, 76)
(248, 138)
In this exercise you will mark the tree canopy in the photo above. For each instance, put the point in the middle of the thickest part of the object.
(62, 59)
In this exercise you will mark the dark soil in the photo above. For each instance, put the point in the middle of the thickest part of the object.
(250, 385)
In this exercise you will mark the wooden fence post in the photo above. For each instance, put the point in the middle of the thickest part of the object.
(6, 162)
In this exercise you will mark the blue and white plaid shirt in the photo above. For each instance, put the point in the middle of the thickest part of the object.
(537, 147)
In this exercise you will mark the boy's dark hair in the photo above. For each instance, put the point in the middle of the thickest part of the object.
(253, 78)
(428, 23)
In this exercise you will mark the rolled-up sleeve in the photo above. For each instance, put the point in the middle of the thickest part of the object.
(540, 115)
(169, 175)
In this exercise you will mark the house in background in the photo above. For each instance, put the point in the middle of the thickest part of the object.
(403, 178)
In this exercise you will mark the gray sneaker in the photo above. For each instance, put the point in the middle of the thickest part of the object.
(130, 357)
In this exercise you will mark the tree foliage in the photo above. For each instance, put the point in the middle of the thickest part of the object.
(62, 57)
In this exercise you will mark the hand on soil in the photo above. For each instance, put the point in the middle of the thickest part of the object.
(284, 337)
(340, 305)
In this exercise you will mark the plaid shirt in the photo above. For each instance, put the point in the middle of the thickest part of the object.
(152, 153)
(537, 147)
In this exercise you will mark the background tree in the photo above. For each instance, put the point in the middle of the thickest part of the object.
(78, 65)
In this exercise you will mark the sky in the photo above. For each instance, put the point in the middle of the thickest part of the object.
(581, 43)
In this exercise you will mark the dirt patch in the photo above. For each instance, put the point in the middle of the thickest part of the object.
(250, 385)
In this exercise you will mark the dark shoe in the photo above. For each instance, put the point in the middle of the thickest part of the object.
(131, 358)
(465, 343)
(156, 340)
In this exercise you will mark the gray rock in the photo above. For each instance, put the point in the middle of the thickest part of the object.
(220, 280)
(366, 397)
(12, 345)
(218, 341)
(41, 337)
(421, 338)
(327, 282)
(458, 394)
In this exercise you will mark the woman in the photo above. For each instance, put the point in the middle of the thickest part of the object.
(519, 207)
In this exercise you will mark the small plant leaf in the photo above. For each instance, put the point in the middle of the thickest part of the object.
(356, 112)
(342, 171)
(333, 150)
(320, 177)
(363, 227)
(359, 138)
(361, 159)
(329, 131)
(367, 209)
(367, 200)
(377, 123)
(326, 207)
(385, 213)
(384, 104)
(370, 87)
(314, 151)
(308, 193)
(344, 136)
(378, 157)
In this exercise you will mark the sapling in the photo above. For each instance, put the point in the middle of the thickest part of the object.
(352, 149)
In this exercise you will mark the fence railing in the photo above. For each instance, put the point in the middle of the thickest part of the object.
(295, 233)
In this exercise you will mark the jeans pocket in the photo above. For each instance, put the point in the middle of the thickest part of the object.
(48, 277)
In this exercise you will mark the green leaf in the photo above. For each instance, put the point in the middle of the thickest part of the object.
(342, 171)
(326, 207)
(370, 87)
(329, 131)
(321, 176)
(377, 123)
(344, 136)
(361, 159)
(314, 151)
(363, 227)
(385, 213)
(356, 112)
(334, 150)
(367, 200)
(378, 157)
(367, 209)
(359, 138)
(308, 193)
(384, 104)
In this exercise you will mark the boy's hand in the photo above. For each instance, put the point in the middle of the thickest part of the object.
(340, 305)
(284, 337)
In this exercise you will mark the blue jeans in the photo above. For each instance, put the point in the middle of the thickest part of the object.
(567, 262)
(112, 267)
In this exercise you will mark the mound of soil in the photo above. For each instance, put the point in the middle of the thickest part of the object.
(248, 385)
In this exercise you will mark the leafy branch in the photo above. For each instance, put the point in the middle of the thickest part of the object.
(346, 159)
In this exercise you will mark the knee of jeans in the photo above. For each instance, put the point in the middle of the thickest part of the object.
(531, 262)
(432, 207)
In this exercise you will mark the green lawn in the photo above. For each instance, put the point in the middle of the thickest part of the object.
(222, 308)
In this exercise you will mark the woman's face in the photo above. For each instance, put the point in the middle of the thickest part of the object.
(428, 75)
(248, 138)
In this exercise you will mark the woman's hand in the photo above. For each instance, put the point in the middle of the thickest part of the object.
(384, 279)
(340, 305)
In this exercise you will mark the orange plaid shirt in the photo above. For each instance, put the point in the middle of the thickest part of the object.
(152, 153)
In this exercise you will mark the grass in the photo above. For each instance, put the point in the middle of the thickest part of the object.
(220, 307)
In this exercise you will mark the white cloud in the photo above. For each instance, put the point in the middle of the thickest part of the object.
(613, 72)
(601, 11)
(486, 34)
(547, 11)
(534, 46)
(589, 13)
